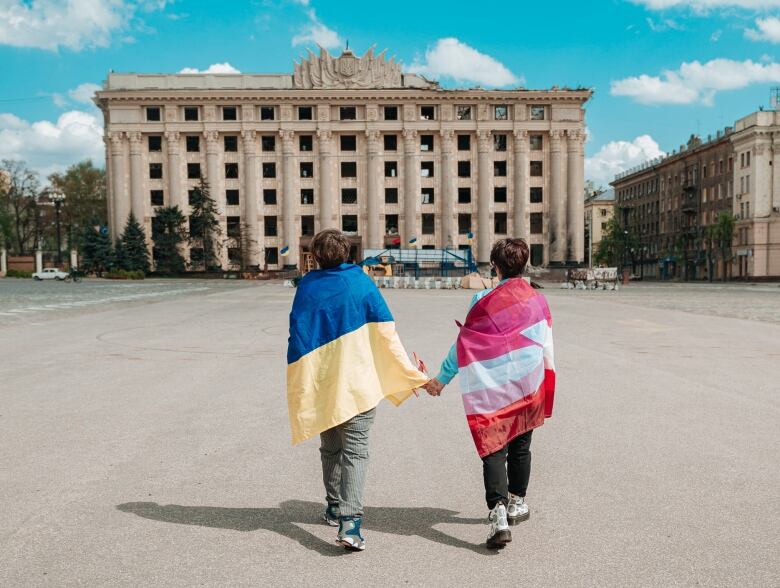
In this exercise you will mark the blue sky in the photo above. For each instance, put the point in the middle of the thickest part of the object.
(661, 69)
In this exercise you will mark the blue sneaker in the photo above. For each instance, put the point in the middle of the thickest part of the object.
(349, 534)
(331, 515)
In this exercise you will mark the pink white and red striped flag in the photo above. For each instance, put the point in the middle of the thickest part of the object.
(506, 364)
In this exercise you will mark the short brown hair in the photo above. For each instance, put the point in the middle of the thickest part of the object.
(330, 248)
(509, 256)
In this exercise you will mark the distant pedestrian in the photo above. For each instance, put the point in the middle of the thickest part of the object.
(344, 356)
(504, 356)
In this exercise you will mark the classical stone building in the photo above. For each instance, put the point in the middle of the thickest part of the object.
(599, 209)
(350, 142)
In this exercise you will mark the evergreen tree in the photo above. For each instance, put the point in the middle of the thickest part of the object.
(205, 231)
(168, 233)
(132, 247)
(97, 254)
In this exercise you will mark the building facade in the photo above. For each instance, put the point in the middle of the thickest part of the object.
(352, 143)
(599, 209)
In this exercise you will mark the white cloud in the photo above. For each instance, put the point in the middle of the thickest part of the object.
(72, 24)
(618, 156)
(704, 5)
(49, 147)
(767, 29)
(715, 36)
(450, 58)
(84, 93)
(664, 24)
(216, 68)
(315, 32)
(696, 82)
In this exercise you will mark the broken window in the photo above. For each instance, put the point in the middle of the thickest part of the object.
(537, 113)
(536, 195)
(428, 224)
(464, 142)
(307, 196)
(231, 143)
(305, 143)
(349, 223)
(463, 112)
(155, 171)
(307, 169)
(464, 224)
(464, 169)
(426, 142)
(191, 113)
(499, 194)
(347, 113)
(348, 142)
(269, 226)
(231, 197)
(499, 223)
(234, 226)
(536, 168)
(272, 255)
(427, 113)
(536, 223)
(501, 112)
(269, 197)
(391, 112)
(348, 169)
(269, 170)
(155, 143)
(426, 169)
(193, 171)
(229, 113)
(349, 195)
(391, 195)
(464, 195)
(499, 142)
(268, 143)
(157, 198)
(307, 225)
(427, 195)
(267, 113)
(193, 143)
(391, 169)
(231, 171)
(153, 113)
(499, 169)
(536, 142)
(305, 113)
(391, 224)
(391, 142)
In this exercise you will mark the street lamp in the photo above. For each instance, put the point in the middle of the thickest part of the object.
(58, 198)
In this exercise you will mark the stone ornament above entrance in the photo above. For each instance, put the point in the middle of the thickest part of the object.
(347, 71)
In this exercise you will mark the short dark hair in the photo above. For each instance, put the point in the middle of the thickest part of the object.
(330, 248)
(509, 256)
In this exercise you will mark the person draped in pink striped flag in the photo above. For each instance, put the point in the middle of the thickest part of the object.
(504, 356)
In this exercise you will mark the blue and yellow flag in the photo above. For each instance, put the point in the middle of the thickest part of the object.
(344, 355)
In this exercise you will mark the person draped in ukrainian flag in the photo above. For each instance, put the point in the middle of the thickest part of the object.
(504, 356)
(343, 357)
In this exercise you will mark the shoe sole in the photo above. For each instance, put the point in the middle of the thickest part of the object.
(349, 547)
(500, 539)
(517, 520)
(330, 522)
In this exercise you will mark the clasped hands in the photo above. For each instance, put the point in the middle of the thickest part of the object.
(433, 387)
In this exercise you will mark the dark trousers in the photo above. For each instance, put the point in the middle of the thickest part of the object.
(507, 470)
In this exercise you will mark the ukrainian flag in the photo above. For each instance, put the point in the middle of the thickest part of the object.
(344, 355)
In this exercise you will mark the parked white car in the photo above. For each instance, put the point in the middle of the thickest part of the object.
(50, 273)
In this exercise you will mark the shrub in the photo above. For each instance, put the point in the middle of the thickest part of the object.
(125, 275)
(15, 273)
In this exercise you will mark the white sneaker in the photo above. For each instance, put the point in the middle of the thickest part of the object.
(499, 534)
(518, 510)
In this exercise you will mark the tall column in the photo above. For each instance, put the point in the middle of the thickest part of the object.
(412, 197)
(373, 235)
(216, 191)
(249, 198)
(121, 205)
(576, 197)
(136, 178)
(557, 229)
(483, 198)
(175, 195)
(289, 234)
(327, 195)
(520, 186)
(449, 228)
(3, 262)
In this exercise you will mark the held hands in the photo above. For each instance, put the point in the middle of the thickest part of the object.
(434, 387)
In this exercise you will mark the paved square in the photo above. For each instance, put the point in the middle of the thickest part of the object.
(144, 442)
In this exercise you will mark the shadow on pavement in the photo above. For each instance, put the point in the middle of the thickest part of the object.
(418, 522)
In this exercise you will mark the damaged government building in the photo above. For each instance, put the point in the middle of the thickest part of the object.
(353, 143)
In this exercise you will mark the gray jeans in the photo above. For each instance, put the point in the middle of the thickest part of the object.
(344, 453)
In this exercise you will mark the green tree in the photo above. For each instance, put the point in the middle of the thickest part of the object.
(205, 231)
(616, 244)
(724, 237)
(168, 233)
(19, 191)
(131, 251)
(84, 187)
(97, 254)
